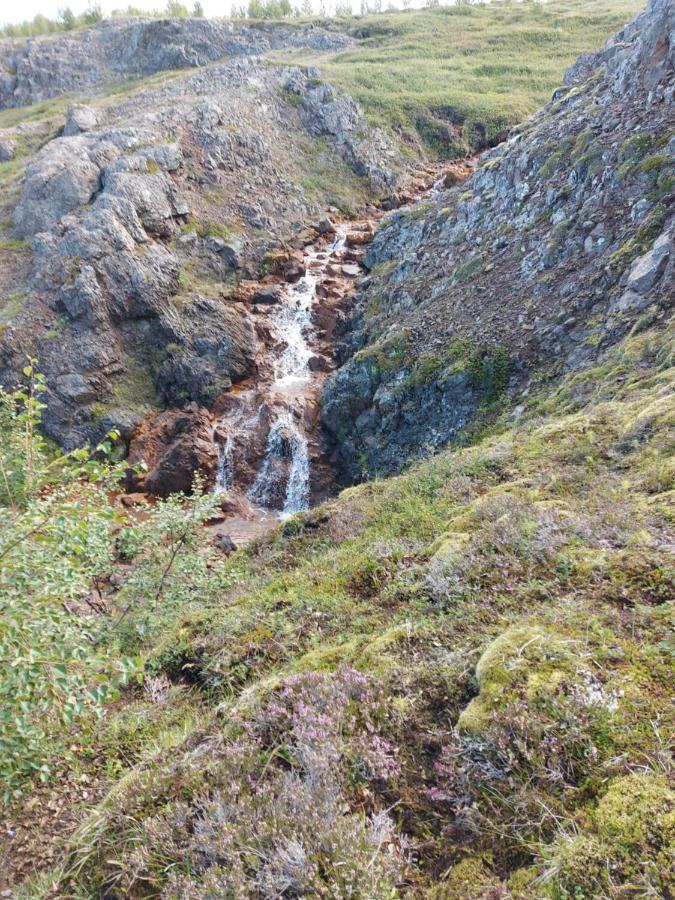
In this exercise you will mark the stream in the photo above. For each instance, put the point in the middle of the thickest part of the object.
(272, 462)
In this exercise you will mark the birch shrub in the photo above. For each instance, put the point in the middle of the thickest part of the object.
(56, 518)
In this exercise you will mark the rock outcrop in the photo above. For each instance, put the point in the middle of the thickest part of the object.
(324, 112)
(559, 244)
(88, 61)
(142, 217)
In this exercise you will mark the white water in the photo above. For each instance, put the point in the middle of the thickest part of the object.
(285, 442)
(224, 471)
(287, 447)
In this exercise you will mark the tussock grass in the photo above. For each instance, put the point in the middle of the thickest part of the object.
(481, 68)
(509, 604)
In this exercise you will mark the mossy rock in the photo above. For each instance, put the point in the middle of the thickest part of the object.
(633, 844)
(470, 879)
(582, 863)
(526, 657)
(637, 814)
(450, 548)
(522, 885)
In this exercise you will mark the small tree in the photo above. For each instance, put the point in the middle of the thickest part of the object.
(62, 647)
(93, 14)
(198, 10)
(66, 19)
(176, 10)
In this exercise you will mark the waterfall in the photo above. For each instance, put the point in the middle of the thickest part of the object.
(293, 322)
(297, 487)
(283, 479)
(286, 452)
(224, 472)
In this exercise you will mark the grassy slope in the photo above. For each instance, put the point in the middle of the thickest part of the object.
(545, 552)
(493, 65)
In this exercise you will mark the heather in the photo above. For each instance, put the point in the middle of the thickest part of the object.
(449, 676)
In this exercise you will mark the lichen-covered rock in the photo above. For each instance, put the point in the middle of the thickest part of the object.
(7, 150)
(543, 259)
(81, 118)
(87, 61)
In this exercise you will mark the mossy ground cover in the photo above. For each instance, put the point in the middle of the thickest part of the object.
(455, 77)
(479, 646)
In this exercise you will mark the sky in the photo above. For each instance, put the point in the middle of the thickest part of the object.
(13, 12)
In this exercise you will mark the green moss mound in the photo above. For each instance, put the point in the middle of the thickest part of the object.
(462, 674)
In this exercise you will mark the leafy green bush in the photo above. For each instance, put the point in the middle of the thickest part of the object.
(55, 537)
(168, 573)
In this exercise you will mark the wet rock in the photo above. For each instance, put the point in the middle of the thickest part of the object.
(293, 270)
(318, 364)
(267, 296)
(104, 206)
(359, 238)
(325, 226)
(351, 271)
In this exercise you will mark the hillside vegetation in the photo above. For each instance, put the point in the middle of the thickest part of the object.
(456, 77)
(456, 677)
(453, 683)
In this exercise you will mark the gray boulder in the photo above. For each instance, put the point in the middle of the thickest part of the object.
(216, 345)
(62, 177)
(648, 269)
(81, 118)
(7, 150)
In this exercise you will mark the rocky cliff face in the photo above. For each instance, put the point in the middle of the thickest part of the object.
(144, 214)
(559, 244)
(90, 60)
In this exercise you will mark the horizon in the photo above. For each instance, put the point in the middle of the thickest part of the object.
(212, 8)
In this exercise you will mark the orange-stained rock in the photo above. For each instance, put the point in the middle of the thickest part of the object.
(175, 446)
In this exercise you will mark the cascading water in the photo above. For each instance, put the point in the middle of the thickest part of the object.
(267, 438)
(286, 449)
(224, 471)
(293, 324)
(283, 480)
